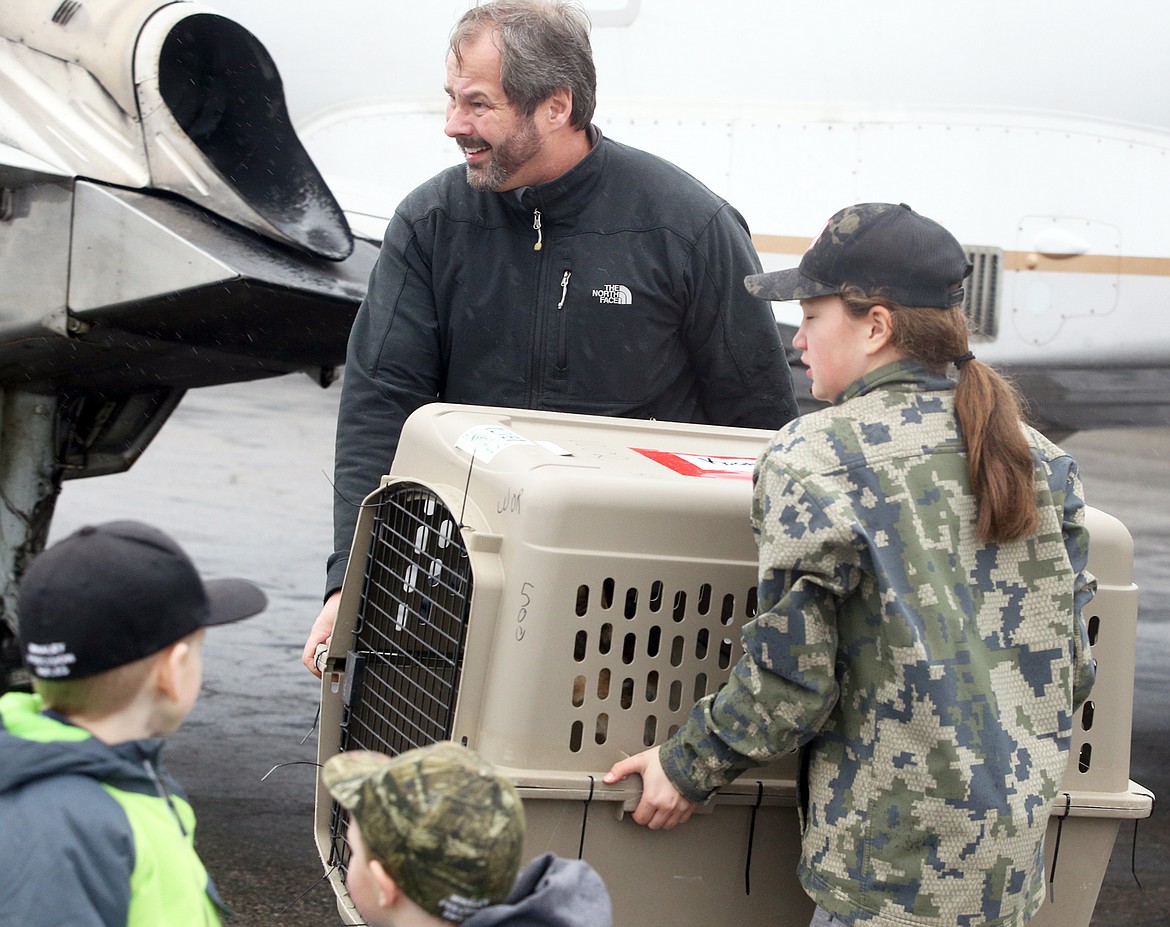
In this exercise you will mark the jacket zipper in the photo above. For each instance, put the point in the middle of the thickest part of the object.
(562, 353)
(538, 354)
(163, 793)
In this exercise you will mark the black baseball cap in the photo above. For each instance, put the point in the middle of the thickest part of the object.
(110, 594)
(882, 249)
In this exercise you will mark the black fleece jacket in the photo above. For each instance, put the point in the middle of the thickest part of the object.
(616, 289)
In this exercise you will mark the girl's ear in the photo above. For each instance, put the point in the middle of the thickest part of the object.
(881, 328)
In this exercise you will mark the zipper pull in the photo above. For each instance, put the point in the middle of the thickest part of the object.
(539, 235)
(564, 288)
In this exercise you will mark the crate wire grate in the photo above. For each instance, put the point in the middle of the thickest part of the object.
(402, 671)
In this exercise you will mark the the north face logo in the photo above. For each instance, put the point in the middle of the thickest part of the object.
(614, 293)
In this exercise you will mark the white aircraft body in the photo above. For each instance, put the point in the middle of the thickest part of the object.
(1039, 133)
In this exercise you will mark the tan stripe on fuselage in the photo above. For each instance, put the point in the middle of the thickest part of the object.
(1015, 260)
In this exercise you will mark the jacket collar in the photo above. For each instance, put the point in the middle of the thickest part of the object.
(38, 745)
(568, 194)
(902, 376)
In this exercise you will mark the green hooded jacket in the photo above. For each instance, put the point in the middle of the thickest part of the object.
(93, 833)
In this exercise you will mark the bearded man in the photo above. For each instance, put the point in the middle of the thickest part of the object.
(555, 270)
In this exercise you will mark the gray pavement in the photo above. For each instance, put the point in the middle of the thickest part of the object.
(240, 476)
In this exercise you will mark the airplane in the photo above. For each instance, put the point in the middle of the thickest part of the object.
(193, 195)
(161, 229)
(1039, 135)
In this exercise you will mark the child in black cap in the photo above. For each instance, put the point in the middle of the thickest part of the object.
(92, 830)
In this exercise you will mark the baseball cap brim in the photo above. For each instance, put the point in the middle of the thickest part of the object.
(780, 285)
(345, 773)
(231, 600)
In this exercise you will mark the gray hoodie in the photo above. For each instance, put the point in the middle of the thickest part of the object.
(551, 892)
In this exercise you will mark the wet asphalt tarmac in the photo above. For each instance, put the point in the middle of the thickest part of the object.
(240, 476)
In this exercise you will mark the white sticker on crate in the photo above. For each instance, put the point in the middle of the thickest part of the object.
(483, 442)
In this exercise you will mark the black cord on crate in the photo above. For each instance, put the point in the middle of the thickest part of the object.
(466, 489)
(1056, 847)
(316, 717)
(1133, 858)
(283, 765)
(747, 869)
(585, 820)
(1133, 847)
(327, 874)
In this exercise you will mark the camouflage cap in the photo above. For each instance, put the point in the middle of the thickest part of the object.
(883, 250)
(442, 821)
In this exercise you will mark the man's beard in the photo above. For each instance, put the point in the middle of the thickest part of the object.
(505, 158)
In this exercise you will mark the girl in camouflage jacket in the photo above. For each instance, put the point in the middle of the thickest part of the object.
(921, 581)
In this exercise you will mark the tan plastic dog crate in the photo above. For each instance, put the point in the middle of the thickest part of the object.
(556, 591)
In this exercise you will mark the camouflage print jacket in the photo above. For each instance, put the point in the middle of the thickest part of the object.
(931, 677)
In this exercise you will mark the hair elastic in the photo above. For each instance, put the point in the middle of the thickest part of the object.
(960, 361)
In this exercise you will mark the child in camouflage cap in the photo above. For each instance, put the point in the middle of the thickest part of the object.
(921, 580)
(436, 837)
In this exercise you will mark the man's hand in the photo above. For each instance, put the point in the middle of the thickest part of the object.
(320, 632)
(661, 806)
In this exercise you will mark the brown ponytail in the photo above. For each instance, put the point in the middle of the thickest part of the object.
(999, 459)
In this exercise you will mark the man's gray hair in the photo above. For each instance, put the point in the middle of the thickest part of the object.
(544, 47)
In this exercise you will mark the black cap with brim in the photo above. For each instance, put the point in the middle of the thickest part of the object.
(231, 600)
(110, 594)
(781, 285)
(882, 250)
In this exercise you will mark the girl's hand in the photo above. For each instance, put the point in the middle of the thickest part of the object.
(661, 806)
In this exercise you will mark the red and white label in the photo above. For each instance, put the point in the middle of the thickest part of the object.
(702, 465)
